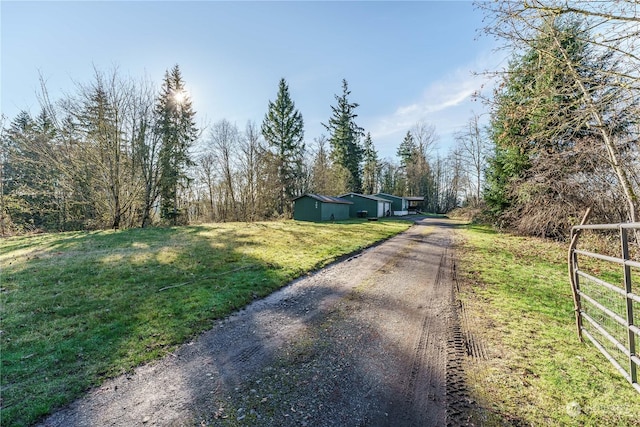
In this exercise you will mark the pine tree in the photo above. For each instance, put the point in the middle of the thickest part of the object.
(344, 137)
(371, 167)
(29, 177)
(283, 129)
(177, 131)
(407, 150)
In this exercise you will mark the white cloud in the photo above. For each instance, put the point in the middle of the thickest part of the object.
(445, 94)
(446, 103)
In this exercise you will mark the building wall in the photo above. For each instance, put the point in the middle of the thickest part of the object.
(307, 209)
(362, 204)
(338, 210)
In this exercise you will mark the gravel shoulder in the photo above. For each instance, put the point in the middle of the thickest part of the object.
(370, 341)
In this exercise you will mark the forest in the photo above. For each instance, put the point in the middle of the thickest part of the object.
(562, 135)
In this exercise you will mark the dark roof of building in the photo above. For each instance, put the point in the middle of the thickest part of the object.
(371, 197)
(412, 198)
(388, 195)
(325, 199)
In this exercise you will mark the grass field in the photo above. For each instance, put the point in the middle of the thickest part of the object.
(516, 295)
(80, 307)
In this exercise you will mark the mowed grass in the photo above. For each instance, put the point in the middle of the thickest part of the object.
(81, 307)
(518, 304)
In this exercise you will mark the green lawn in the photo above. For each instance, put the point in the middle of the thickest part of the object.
(518, 300)
(81, 307)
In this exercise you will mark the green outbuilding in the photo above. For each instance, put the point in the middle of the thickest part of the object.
(367, 206)
(315, 207)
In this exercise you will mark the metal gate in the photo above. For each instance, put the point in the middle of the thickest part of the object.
(604, 310)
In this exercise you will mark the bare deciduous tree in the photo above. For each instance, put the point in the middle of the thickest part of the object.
(223, 143)
(250, 156)
(473, 149)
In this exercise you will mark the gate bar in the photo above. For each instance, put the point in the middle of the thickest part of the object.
(572, 261)
(602, 283)
(628, 262)
(607, 226)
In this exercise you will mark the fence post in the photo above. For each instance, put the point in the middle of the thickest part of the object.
(627, 286)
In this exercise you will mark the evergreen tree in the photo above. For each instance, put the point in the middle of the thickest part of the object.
(371, 167)
(415, 178)
(390, 180)
(532, 114)
(544, 134)
(105, 146)
(605, 80)
(508, 130)
(177, 131)
(283, 129)
(407, 150)
(321, 176)
(29, 177)
(344, 137)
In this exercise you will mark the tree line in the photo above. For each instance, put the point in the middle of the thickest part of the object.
(119, 153)
(562, 136)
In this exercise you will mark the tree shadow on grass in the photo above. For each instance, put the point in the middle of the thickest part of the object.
(301, 356)
(133, 321)
(92, 306)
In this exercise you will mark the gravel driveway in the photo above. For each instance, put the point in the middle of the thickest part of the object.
(370, 341)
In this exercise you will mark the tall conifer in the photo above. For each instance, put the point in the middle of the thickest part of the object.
(371, 166)
(177, 130)
(283, 129)
(407, 150)
(344, 137)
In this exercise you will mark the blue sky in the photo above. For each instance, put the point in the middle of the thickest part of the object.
(404, 61)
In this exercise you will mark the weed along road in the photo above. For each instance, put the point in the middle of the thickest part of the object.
(372, 340)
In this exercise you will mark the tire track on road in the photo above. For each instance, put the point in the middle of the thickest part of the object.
(423, 386)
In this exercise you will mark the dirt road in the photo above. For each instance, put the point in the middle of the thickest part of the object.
(370, 341)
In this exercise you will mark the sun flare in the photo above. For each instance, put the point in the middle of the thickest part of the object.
(179, 96)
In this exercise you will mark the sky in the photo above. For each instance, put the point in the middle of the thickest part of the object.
(405, 62)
